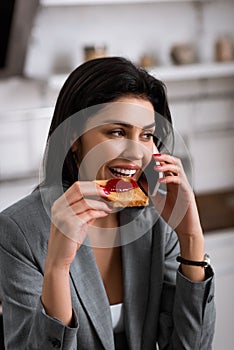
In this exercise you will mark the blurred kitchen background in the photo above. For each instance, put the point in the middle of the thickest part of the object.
(188, 44)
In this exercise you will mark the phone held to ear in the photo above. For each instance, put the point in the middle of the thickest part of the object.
(160, 174)
(152, 177)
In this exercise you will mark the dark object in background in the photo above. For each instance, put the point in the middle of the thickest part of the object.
(16, 21)
(216, 210)
(224, 49)
(6, 10)
(92, 52)
(183, 53)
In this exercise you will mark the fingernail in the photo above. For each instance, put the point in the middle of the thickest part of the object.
(105, 190)
(157, 154)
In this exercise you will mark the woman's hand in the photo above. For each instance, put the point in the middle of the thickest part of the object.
(178, 208)
(71, 214)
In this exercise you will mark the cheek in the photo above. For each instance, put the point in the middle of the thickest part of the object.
(113, 148)
(96, 156)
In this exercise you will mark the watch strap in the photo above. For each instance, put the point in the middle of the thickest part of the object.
(204, 263)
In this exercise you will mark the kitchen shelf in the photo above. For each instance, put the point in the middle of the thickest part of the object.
(172, 73)
(107, 2)
(194, 71)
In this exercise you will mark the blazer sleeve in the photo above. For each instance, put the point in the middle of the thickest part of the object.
(187, 314)
(26, 325)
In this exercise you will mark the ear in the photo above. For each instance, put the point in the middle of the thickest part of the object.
(76, 149)
(74, 143)
(75, 146)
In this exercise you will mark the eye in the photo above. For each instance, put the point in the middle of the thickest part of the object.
(117, 133)
(147, 135)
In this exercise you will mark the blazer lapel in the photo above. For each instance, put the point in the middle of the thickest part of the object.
(137, 264)
(90, 288)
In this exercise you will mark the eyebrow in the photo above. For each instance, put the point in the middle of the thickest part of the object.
(150, 126)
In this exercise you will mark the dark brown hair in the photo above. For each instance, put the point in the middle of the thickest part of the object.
(96, 82)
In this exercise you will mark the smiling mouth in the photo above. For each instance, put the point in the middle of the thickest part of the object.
(119, 172)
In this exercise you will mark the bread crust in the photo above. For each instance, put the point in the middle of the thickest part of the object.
(133, 197)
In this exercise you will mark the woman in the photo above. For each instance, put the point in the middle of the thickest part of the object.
(78, 274)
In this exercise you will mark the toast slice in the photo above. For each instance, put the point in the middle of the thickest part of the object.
(124, 192)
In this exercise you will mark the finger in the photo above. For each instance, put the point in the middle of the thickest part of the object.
(92, 189)
(80, 189)
(167, 158)
(170, 179)
(85, 189)
(72, 195)
(67, 213)
(87, 204)
(168, 169)
(90, 215)
(75, 226)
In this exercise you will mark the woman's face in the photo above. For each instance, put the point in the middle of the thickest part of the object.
(118, 140)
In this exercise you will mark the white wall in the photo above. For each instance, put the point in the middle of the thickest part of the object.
(130, 30)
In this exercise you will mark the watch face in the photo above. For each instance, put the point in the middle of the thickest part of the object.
(207, 260)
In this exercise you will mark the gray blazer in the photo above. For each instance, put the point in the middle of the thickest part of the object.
(161, 306)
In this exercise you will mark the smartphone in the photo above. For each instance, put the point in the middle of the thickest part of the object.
(152, 176)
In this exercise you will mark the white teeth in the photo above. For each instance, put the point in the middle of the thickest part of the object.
(126, 172)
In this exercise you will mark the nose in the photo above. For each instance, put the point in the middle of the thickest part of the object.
(133, 150)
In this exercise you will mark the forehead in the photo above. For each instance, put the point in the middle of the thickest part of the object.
(135, 112)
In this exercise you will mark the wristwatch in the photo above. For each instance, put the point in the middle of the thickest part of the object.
(204, 263)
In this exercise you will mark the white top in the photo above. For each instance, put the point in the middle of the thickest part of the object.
(117, 315)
